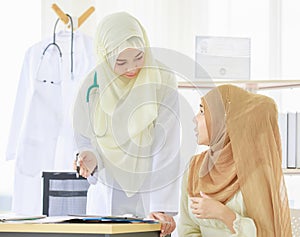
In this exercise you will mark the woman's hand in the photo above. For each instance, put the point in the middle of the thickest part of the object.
(87, 162)
(205, 207)
(168, 224)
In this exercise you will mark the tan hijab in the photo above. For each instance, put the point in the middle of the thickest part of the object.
(245, 154)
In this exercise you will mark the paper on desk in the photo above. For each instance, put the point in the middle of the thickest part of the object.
(41, 220)
(18, 218)
(87, 219)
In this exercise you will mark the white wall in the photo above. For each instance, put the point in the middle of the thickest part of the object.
(21, 27)
(170, 24)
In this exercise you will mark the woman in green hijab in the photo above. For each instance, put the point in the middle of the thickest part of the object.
(126, 121)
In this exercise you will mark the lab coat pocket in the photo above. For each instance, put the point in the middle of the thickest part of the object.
(44, 113)
(36, 156)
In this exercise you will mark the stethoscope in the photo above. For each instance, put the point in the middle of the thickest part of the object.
(95, 85)
(58, 48)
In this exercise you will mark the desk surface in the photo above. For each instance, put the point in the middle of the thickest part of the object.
(92, 228)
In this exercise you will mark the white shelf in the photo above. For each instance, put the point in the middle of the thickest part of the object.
(291, 171)
(247, 84)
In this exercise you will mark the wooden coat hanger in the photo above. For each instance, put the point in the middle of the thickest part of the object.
(85, 15)
(68, 20)
(65, 19)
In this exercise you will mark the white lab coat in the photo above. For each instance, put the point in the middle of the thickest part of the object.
(161, 191)
(41, 135)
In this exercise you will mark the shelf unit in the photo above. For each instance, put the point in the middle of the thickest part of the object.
(291, 171)
(251, 85)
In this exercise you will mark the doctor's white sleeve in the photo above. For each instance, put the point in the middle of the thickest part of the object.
(164, 196)
(83, 143)
(81, 121)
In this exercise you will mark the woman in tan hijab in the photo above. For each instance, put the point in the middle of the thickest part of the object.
(236, 187)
